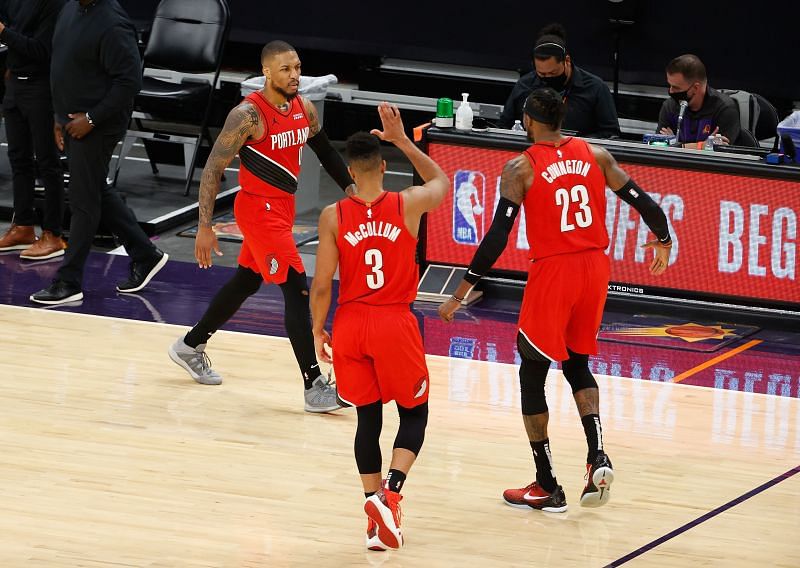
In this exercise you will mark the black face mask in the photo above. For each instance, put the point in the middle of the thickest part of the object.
(557, 83)
(679, 96)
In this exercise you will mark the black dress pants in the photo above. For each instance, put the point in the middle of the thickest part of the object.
(92, 200)
(29, 127)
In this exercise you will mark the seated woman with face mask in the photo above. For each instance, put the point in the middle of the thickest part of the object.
(590, 107)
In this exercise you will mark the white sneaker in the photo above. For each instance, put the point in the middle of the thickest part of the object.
(321, 397)
(195, 361)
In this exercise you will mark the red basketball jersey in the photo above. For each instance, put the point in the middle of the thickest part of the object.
(565, 207)
(377, 254)
(270, 165)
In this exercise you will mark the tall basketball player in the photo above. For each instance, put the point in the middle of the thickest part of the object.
(377, 348)
(268, 130)
(562, 182)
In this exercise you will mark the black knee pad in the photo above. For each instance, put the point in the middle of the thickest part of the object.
(532, 376)
(411, 432)
(367, 442)
(576, 371)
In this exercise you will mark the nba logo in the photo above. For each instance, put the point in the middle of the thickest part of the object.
(468, 207)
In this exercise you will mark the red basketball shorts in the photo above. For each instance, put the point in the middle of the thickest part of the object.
(266, 224)
(378, 355)
(563, 303)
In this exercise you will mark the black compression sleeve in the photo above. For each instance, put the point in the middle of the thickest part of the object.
(652, 214)
(330, 159)
(494, 242)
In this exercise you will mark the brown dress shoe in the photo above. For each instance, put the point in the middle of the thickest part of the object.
(48, 246)
(17, 237)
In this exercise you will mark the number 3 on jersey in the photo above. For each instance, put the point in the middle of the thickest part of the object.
(580, 195)
(374, 259)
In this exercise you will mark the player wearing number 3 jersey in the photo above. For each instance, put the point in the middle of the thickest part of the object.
(377, 348)
(562, 182)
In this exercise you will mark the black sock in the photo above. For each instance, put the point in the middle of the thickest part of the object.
(369, 494)
(395, 479)
(544, 465)
(310, 374)
(594, 436)
(297, 320)
(197, 337)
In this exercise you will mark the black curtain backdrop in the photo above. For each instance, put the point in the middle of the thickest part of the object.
(748, 45)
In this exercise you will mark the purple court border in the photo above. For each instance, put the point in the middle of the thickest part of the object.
(711, 514)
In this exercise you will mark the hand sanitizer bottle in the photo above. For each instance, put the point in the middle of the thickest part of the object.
(464, 114)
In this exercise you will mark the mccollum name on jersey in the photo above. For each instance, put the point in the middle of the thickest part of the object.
(372, 229)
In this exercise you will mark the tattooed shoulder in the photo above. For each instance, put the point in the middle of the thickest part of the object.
(313, 118)
(516, 179)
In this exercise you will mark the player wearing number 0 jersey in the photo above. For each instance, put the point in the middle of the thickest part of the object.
(268, 130)
(561, 181)
(377, 348)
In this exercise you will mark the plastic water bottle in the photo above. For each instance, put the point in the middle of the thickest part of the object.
(712, 141)
(464, 114)
(518, 126)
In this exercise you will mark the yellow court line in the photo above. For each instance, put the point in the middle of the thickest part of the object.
(715, 360)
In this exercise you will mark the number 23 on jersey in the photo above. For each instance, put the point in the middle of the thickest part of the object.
(582, 217)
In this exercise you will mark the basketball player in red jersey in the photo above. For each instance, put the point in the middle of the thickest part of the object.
(561, 181)
(268, 130)
(377, 348)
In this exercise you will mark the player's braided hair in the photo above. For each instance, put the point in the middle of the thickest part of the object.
(547, 106)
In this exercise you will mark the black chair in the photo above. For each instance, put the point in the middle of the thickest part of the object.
(758, 117)
(767, 126)
(187, 37)
(746, 138)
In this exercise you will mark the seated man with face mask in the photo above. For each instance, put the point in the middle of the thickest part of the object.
(590, 108)
(709, 111)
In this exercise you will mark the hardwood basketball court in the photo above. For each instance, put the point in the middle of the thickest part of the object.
(112, 456)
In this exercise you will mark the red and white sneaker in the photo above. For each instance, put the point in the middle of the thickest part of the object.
(534, 497)
(599, 477)
(372, 540)
(383, 509)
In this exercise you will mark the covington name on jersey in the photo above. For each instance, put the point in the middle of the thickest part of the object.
(372, 229)
(558, 169)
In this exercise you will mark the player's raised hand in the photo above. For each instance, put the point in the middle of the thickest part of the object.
(205, 240)
(393, 130)
(660, 258)
(321, 340)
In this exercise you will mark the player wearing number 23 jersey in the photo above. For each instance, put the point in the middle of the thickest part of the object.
(561, 182)
(568, 276)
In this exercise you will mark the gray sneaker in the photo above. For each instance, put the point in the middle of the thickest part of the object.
(321, 397)
(196, 362)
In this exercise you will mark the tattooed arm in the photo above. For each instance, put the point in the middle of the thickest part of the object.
(243, 122)
(330, 159)
(313, 118)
